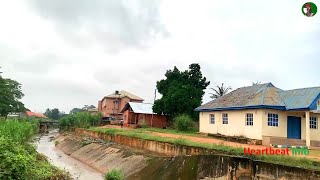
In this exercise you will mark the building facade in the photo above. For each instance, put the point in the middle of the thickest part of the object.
(266, 113)
(141, 114)
(110, 106)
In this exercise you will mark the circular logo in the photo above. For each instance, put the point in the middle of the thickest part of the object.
(309, 9)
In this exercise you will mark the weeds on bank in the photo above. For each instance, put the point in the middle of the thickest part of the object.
(115, 174)
(19, 159)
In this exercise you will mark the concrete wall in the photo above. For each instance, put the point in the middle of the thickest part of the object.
(236, 123)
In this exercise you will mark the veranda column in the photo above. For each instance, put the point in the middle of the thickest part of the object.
(307, 128)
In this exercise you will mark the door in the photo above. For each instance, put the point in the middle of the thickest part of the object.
(294, 127)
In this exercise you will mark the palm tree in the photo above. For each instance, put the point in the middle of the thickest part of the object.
(219, 91)
(256, 83)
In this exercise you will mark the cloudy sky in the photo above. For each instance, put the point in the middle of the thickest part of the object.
(67, 53)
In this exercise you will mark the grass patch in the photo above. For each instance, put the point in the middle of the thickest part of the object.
(115, 174)
(219, 148)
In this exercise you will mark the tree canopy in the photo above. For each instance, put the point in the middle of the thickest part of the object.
(181, 91)
(53, 113)
(10, 95)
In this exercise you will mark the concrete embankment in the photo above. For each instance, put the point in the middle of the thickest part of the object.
(101, 155)
(188, 163)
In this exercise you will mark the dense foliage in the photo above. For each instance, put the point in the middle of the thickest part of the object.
(181, 91)
(115, 174)
(54, 113)
(19, 159)
(10, 95)
(183, 122)
(79, 120)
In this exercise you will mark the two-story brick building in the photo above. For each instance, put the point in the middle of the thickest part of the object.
(110, 106)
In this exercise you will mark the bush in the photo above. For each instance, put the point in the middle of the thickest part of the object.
(19, 159)
(79, 120)
(115, 174)
(183, 122)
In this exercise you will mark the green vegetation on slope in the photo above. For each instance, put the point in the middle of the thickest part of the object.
(223, 149)
(19, 159)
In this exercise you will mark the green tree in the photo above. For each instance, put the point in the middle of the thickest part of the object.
(10, 95)
(75, 110)
(219, 91)
(181, 91)
(53, 113)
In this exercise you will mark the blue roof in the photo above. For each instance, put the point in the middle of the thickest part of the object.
(265, 96)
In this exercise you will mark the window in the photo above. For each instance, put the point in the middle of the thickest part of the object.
(211, 118)
(125, 117)
(313, 123)
(249, 119)
(224, 118)
(273, 120)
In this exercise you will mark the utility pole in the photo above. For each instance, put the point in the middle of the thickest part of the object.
(155, 94)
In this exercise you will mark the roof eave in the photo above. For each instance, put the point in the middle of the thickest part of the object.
(241, 108)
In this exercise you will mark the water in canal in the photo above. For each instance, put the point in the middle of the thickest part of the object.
(77, 169)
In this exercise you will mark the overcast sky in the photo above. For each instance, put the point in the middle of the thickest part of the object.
(68, 53)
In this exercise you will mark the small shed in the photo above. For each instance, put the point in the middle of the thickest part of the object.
(138, 114)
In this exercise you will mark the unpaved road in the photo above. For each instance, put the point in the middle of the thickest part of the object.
(77, 169)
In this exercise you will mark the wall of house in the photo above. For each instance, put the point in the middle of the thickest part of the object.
(236, 123)
(108, 107)
(158, 121)
(260, 128)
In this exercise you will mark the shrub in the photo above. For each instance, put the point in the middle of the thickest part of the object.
(183, 122)
(79, 120)
(115, 174)
(19, 159)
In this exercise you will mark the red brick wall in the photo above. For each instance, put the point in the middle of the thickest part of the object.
(158, 121)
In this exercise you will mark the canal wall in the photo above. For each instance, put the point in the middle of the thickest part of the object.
(184, 162)
(163, 148)
(102, 156)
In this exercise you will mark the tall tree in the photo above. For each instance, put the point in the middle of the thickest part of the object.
(219, 91)
(75, 110)
(181, 91)
(10, 95)
(53, 113)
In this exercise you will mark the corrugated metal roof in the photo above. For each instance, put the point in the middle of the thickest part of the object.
(124, 94)
(264, 96)
(141, 108)
(299, 98)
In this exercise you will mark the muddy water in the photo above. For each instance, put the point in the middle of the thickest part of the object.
(77, 169)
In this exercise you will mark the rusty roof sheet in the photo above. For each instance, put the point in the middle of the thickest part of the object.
(124, 94)
(263, 96)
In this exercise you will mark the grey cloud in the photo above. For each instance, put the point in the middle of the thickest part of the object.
(115, 24)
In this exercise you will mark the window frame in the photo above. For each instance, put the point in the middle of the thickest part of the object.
(313, 122)
(249, 119)
(225, 118)
(273, 120)
(212, 119)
